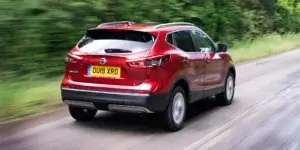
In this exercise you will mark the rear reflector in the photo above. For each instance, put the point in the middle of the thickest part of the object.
(80, 104)
(126, 108)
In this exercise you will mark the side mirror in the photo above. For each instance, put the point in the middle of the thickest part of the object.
(222, 47)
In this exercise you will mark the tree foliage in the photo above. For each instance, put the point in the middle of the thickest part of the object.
(35, 34)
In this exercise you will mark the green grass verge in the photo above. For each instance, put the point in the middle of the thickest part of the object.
(23, 98)
(264, 46)
(19, 99)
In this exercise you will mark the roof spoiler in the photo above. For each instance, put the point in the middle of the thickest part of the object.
(116, 23)
(173, 24)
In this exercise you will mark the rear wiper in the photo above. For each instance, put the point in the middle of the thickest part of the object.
(117, 51)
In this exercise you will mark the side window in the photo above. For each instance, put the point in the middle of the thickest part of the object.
(184, 41)
(202, 42)
(170, 38)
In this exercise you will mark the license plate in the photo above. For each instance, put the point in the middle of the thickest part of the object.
(104, 71)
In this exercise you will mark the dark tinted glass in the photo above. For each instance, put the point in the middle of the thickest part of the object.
(170, 38)
(183, 40)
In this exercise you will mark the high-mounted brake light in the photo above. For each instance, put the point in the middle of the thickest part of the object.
(148, 62)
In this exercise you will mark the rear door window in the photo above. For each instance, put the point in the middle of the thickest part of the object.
(183, 40)
(116, 41)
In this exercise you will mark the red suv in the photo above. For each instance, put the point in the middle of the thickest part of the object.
(144, 68)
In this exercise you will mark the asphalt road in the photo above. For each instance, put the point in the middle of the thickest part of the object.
(264, 115)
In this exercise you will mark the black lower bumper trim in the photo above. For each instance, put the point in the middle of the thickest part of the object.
(101, 99)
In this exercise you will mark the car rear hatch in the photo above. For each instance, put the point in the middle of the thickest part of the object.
(106, 54)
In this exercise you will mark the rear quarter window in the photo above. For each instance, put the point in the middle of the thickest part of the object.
(170, 38)
(99, 41)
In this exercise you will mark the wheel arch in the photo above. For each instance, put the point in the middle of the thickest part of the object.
(233, 71)
(182, 82)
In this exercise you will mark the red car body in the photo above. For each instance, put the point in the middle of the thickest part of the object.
(143, 75)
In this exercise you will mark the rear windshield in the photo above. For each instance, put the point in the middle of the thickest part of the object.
(116, 41)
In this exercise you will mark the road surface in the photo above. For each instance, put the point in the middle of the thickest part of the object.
(264, 115)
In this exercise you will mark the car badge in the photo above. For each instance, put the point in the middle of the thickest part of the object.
(102, 61)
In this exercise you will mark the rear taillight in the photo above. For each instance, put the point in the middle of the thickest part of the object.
(148, 62)
(69, 59)
(71, 62)
(72, 58)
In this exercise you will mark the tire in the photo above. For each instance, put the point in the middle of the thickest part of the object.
(226, 97)
(82, 114)
(176, 111)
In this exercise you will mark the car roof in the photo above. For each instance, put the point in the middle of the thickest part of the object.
(150, 27)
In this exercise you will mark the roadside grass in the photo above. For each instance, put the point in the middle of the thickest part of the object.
(23, 98)
(264, 46)
(20, 99)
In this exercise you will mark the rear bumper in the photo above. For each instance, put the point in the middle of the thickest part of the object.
(115, 101)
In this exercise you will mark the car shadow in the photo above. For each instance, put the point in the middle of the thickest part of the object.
(145, 123)
(200, 109)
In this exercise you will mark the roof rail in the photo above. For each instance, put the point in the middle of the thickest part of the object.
(115, 23)
(173, 24)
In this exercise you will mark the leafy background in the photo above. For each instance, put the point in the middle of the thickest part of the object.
(35, 34)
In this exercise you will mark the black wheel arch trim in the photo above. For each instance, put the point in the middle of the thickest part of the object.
(231, 66)
(177, 79)
(234, 73)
